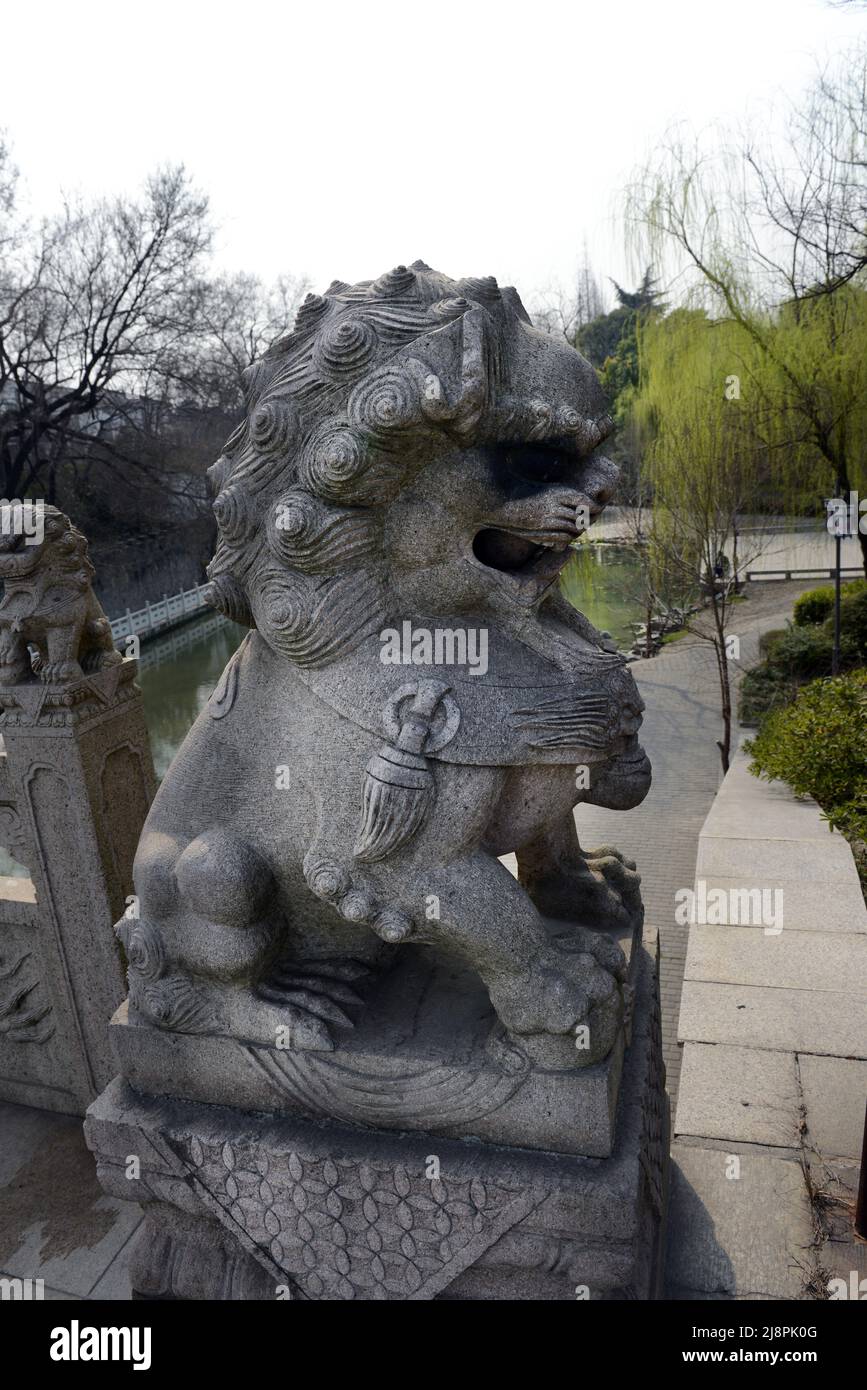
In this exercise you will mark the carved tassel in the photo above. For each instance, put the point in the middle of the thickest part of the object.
(399, 786)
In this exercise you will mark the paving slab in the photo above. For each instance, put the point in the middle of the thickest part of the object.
(739, 1237)
(834, 904)
(782, 818)
(115, 1283)
(17, 890)
(835, 1097)
(815, 961)
(740, 788)
(55, 1223)
(788, 1020)
(754, 860)
(740, 1094)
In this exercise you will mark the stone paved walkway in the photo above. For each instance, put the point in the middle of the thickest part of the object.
(773, 1026)
(682, 723)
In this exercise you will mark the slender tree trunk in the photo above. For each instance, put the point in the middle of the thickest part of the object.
(725, 745)
(722, 660)
(12, 470)
(18, 460)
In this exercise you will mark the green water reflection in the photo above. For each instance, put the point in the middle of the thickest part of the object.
(177, 677)
(603, 582)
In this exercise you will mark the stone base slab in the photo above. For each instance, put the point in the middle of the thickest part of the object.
(252, 1206)
(427, 1055)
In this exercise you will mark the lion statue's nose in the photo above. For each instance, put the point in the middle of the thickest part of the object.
(598, 481)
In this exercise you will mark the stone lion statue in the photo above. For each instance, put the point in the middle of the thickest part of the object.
(414, 700)
(51, 623)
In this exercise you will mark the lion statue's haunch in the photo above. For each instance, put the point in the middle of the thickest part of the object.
(415, 698)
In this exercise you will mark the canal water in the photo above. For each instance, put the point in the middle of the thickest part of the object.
(177, 675)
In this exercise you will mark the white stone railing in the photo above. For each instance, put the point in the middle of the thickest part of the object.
(179, 640)
(158, 617)
(812, 572)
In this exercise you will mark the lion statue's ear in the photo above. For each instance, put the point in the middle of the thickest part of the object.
(253, 378)
(56, 523)
(513, 299)
(228, 597)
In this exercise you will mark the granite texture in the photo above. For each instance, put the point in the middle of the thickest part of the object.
(739, 1229)
(324, 931)
(241, 1205)
(835, 1098)
(414, 698)
(76, 780)
(739, 1094)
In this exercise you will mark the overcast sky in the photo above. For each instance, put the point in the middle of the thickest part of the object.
(340, 139)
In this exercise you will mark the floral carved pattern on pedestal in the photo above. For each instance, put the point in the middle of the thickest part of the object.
(344, 1230)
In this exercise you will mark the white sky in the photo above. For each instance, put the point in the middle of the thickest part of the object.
(340, 139)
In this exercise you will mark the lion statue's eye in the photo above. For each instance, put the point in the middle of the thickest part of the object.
(534, 463)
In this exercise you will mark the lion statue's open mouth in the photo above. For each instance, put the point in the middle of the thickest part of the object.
(512, 553)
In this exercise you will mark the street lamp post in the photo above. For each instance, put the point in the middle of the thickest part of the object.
(835, 658)
(839, 526)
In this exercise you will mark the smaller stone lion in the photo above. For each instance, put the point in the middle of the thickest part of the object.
(51, 623)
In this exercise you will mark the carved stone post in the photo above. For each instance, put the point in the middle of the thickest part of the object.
(360, 1058)
(76, 781)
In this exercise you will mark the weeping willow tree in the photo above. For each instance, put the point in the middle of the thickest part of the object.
(706, 466)
(771, 237)
(811, 379)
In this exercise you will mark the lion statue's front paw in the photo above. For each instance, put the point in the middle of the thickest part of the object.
(603, 891)
(615, 894)
(59, 672)
(567, 997)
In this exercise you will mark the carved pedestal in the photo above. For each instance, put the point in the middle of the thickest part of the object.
(76, 780)
(244, 1204)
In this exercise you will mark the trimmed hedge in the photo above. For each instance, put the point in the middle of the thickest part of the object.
(802, 651)
(853, 625)
(818, 745)
(814, 606)
(818, 604)
(794, 655)
(767, 640)
(762, 690)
